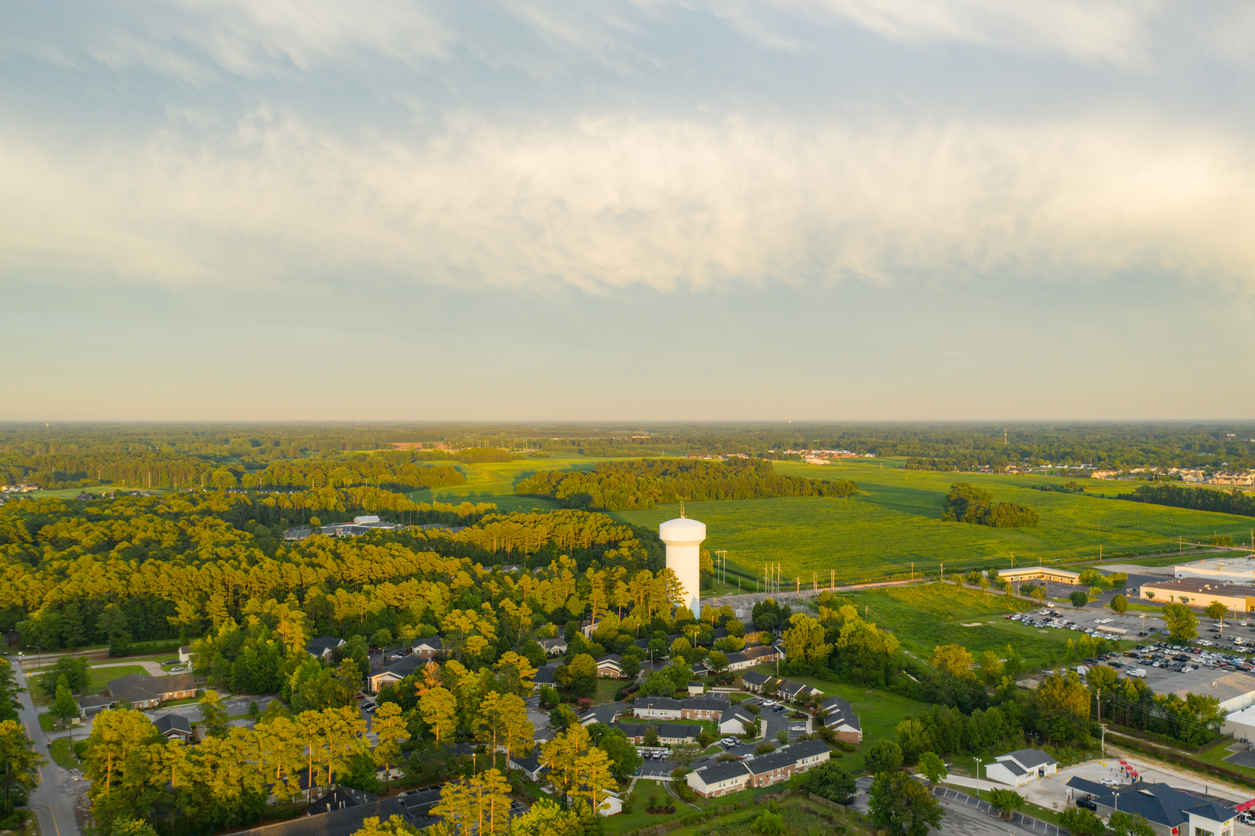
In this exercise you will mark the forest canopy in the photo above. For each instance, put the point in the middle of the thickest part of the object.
(969, 504)
(619, 486)
(1198, 499)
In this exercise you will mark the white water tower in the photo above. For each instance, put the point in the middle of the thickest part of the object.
(684, 539)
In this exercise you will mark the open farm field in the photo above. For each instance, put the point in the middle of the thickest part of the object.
(923, 617)
(495, 481)
(895, 520)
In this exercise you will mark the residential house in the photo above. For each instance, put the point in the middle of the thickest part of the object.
(1021, 766)
(599, 714)
(736, 720)
(144, 691)
(696, 689)
(174, 726)
(795, 691)
(394, 672)
(751, 656)
(554, 647)
(529, 766)
(428, 648)
(838, 715)
(754, 681)
(610, 667)
(413, 807)
(719, 779)
(185, 654)
(322, 646)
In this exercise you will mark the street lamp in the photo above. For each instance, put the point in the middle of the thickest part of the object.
(978, 779)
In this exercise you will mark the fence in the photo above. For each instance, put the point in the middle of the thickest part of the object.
(1019, 819)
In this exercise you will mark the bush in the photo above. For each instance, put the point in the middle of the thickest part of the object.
(1081, 822)
(683, 790)
(884, 756)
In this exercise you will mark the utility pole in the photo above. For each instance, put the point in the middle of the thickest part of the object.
(799, 584)
(814, 581)
(832, 578)
(943, 570)
(1100, 552)
(912, 571)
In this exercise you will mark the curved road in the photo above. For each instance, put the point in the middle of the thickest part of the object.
(54, 799)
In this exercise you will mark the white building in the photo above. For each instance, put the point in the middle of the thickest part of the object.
(1240, 724)
(1021, 766)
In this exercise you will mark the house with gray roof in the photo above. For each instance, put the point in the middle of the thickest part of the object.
(322, 646)
(599, 714)
(144, 691)
(736, 720)
(174, 725)
(669, 734)
(838, 715)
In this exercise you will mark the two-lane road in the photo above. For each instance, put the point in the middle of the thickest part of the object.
(54, 800)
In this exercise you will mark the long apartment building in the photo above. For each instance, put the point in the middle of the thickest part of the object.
(732, 776)
(692, 708)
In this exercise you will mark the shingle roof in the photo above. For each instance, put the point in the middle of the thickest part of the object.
(680, 730)
(138, 687)
(402, 668)
(322, 644)
(755, 678)
(1157, 803)
(173, 722)
(1090, 787)
(787, 756)
(599, 714)
(718, 772)
(1030, 757)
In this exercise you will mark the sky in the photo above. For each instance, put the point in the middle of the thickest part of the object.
(714, 209)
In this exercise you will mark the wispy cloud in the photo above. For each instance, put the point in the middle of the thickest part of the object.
(618, 201)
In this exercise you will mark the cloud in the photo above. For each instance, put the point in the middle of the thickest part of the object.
(622, 201)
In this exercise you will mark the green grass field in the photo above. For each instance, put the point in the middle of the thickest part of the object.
(879, 712)
(896, 520)
(923, 617)
(495, 481)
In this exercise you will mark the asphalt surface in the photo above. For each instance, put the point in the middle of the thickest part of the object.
(54, 800)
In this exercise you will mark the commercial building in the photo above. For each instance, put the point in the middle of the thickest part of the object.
(1237, 569)
(1198, 592)
(1234, 690)
(1039, 573)
(1168, 810)
(1020, 767)
(1240, 724)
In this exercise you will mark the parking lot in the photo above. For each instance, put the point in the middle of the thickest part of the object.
(1093, 622)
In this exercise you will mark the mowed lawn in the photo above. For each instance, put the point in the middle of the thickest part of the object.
(923, 617)
(895, 520)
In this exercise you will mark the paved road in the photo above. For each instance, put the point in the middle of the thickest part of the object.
(54, 800)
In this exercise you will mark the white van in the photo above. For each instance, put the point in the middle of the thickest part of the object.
(1140, 673)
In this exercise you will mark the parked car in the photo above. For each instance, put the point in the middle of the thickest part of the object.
(1086, 803)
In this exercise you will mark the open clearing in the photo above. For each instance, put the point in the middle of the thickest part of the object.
(923, 617)
(895, 520)
(495, 481)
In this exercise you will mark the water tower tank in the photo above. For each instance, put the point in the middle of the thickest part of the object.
(683, 538)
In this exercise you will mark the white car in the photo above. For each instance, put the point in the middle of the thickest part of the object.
(768, 703)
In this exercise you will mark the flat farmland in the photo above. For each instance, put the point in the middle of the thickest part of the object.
(895, 520)
(494, 482)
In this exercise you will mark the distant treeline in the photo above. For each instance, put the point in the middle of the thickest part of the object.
(620, 486)
(1198, 499)
(397, 469)
(393, 469)
(969, 504)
